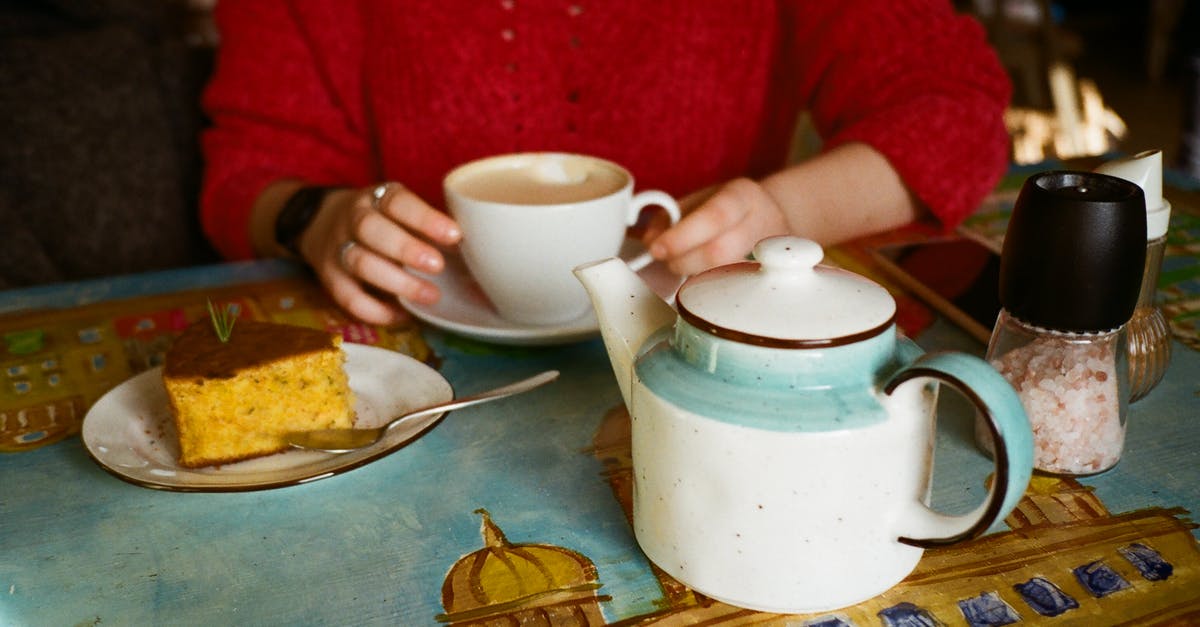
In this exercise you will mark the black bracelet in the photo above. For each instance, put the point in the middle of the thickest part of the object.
(297, 213)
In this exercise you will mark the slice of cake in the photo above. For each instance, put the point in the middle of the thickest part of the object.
(233, 400)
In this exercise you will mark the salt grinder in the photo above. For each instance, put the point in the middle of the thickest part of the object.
(1070, 272)
(1149, 335)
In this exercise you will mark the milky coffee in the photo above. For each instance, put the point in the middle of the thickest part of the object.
(539, 179)
(529, 219)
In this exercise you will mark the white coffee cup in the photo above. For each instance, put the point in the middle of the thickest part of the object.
(528, 219)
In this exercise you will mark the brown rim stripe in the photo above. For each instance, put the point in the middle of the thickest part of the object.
(775, 342)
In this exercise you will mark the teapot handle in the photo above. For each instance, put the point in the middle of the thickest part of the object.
(999, 405)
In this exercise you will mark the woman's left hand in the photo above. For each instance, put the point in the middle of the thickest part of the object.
(721, 225)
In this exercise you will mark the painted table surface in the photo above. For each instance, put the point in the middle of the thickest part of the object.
(518, 508)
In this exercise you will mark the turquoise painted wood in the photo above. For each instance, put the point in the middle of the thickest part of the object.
(374, 546)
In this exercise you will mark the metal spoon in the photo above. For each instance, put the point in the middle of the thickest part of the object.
(346, 440)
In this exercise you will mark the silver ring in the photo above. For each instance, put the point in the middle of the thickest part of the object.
(378, 193)
(343, 249)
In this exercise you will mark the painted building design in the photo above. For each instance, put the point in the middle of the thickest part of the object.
(1066, 561)
(520, 584)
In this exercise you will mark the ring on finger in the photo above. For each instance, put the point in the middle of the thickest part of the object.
(343, 250)
(378, 193)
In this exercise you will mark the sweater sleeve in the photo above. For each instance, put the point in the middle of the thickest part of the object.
(279, 110)
(917, 82)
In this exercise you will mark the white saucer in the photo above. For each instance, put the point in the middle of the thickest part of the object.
(130, 432)
(466, 311)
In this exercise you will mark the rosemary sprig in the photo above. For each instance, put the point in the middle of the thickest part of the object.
(223, 320)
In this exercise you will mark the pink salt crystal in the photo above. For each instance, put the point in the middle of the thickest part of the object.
(1069, 391)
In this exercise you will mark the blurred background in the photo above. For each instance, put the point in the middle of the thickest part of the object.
(1098, 76)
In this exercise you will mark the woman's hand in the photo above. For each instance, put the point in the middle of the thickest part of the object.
(364, 242)
(721, 225)
(847, 192)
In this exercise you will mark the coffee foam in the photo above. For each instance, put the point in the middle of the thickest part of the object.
(540, 180)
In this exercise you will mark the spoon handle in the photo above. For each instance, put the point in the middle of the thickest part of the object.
(517, 387)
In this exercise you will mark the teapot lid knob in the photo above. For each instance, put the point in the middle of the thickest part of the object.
(788, 254)
(785, 298)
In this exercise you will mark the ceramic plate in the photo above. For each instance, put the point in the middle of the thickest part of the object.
(130, 433)
(465, 310)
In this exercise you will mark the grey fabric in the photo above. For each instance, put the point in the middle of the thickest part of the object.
(99, 158)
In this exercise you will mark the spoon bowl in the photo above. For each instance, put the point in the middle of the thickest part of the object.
(346, 440)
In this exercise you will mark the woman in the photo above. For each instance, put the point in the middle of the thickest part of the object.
(316, 103)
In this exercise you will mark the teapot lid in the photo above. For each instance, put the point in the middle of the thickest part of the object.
(785, 299)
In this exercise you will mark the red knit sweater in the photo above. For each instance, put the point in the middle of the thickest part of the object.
(685, 93)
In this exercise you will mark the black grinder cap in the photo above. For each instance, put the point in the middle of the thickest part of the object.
(1074, 251)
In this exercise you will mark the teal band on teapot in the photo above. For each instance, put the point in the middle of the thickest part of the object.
(790, 390)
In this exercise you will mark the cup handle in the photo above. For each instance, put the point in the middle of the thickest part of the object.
(640, 201)
(1005, 417)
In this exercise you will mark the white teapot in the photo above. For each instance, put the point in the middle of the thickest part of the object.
(783, 431)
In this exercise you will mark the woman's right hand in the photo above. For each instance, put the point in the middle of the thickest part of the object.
(363, 243)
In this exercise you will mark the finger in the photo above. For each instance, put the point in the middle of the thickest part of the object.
(655, 221)
(360, 303)
(393, 242)
(377, 270)
(650, 224)
(708, 222)
(730, 247)
(406, 208)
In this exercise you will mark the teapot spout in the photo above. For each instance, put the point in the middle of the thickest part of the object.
(628, 312)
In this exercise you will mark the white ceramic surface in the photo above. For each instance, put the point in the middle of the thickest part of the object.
(790, 476)
(787, 295)
(130, 433)
(465, 310)
(781, 522)
(522, 254)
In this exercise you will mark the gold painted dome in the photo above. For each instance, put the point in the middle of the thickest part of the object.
(502, 577)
